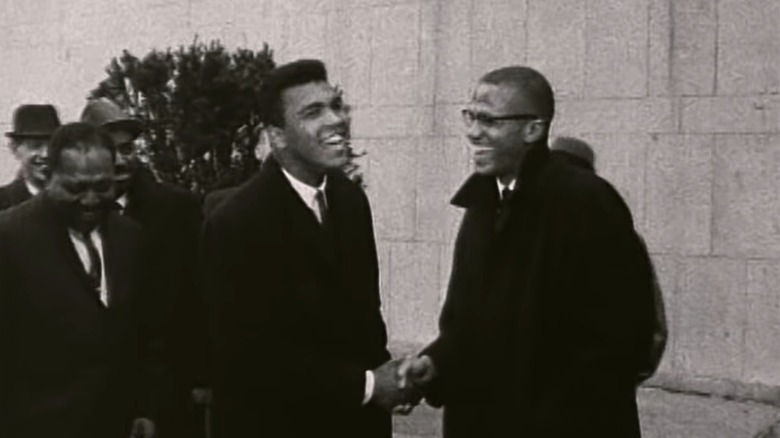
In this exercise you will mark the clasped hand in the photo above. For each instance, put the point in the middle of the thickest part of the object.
(399, 383)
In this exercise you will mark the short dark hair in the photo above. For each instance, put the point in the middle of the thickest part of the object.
(529, 82)
(77, 136)
(576, 151)
(285, 76)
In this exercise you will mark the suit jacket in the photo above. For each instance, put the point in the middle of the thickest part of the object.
(217, 198)
(14, 193)
(298, 317)
(170, 218)
(547, 316)
(70, 367)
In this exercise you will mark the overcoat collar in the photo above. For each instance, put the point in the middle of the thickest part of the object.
(17, 191)
(481, 190)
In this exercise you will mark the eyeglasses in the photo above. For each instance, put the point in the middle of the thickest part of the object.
(488, 121)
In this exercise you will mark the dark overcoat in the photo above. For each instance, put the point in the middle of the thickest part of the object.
(217, 198)
(171, 219)
(70, 366)
(14, 193)
(298, 317)
(548, 311)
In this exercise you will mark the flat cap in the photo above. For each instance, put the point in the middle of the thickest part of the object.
(105, 113)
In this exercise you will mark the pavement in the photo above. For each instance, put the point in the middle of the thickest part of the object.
(663, 413)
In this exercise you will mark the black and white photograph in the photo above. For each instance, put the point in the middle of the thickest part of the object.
(390, 218)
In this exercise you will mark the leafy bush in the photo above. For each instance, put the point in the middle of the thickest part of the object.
(201, 109)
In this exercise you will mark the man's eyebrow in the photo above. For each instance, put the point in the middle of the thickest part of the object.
(311, 106)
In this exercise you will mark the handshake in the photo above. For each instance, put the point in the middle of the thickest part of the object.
(399, 383)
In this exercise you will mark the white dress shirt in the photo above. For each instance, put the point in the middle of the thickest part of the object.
(122, 201)
(31, 188)
(81, 249)
(308, 195)
(502, 186)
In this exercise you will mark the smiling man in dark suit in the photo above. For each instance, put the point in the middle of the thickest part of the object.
(300, 340)
(33, 126)
(69, 304)
(548, 316)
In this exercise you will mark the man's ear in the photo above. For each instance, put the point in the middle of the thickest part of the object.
(276, 137)
(13, 145)
(263, 146)
(535, 130)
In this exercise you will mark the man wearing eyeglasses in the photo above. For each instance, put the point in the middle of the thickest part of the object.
(545, 320)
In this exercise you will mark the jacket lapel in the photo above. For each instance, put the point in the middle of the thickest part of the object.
(141, 201)
(535, 160)
(481, 191)
(18, 192)
(59, 235)
(119, 236)
(302, 221)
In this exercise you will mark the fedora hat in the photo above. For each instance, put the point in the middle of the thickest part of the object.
(34, 121)
(103, 112)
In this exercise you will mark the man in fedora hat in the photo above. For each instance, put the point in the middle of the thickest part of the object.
(33, 126)
(171, 220)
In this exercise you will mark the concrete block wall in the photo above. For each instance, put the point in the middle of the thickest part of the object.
(680, 98)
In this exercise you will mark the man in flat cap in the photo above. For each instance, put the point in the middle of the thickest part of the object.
(33, 126)
(171, 220)
(579, 153)
(300, 344)
(575, 151)
(72, 363)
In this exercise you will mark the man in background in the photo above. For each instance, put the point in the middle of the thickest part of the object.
(71, 304)
(580, 154)
(577, 152)
(171, 219)
(33, 126)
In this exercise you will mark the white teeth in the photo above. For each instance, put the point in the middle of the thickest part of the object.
(335, 139)
(478, 148)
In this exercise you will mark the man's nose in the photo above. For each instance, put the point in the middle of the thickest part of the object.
(474, 131)
(337, 116)
(90, 199)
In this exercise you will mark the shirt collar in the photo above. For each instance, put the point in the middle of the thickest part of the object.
(501, 186)
(305, 191)
(31, 188)
(122, 201)
(93, 234)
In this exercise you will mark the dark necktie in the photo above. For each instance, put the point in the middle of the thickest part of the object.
(95, 271)
(322, 205)
(502, 213)
(506, 195)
